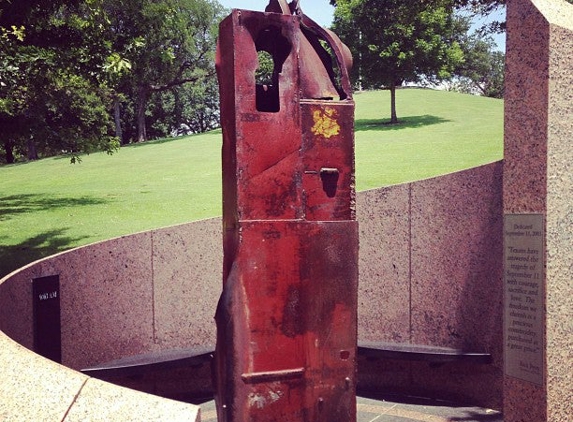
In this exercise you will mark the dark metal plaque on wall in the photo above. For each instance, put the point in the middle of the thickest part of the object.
(47, 326)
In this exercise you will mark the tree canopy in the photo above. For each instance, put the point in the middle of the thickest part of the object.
(398, 40)
(51, 97)
(169, 44)
(482, 69)
(78, 76)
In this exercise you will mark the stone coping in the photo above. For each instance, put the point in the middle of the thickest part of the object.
(36, 389)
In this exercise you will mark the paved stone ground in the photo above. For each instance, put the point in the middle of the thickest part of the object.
(401, 409)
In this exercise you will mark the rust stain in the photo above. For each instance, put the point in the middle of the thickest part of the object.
(325, 122)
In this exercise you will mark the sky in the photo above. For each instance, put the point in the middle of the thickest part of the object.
(318, 10)
(322, 12)
(498, 15)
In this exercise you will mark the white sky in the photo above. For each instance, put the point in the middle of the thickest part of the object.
(322, 12)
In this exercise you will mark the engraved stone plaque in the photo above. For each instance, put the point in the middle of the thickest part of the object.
(524, 287)
(47, 326)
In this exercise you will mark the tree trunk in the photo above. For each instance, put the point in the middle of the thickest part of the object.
(394, 116)
(117, 119)
(9, 151)
(141, 107)
(32, 152)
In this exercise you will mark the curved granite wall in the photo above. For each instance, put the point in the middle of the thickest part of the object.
(430, 273)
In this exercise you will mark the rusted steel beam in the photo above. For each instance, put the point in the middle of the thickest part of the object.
(286, 320)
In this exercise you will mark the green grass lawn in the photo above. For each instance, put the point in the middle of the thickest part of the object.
(442, 132)
(51, 205)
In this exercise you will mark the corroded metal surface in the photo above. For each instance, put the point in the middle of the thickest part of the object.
(286, 320)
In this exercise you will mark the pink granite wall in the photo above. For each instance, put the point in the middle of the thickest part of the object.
(539, 179)
(430, 273)
(559, 220)
(140, 293)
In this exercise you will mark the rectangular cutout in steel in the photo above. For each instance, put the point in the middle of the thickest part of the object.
(47, 325)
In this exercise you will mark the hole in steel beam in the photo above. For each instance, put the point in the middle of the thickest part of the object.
(329, 177)
(272, 51)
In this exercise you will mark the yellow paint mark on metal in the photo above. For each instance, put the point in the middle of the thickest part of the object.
(325, 123)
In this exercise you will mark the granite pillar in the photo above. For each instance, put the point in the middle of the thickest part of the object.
(538, 212)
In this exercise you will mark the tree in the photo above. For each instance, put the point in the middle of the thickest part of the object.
(12, 94)
(75, 73)
(398, 40)
(483, 8)
(183, 110)
(480, 6)
(52, 100)
(169, 43)
(201, 112)
(482, 69)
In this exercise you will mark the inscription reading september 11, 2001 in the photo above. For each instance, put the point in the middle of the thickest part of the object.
(523, 300)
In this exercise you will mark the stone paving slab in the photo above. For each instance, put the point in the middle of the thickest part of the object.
(401, 409)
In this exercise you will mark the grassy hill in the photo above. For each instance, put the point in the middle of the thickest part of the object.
(442, 132)
(50, 205)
